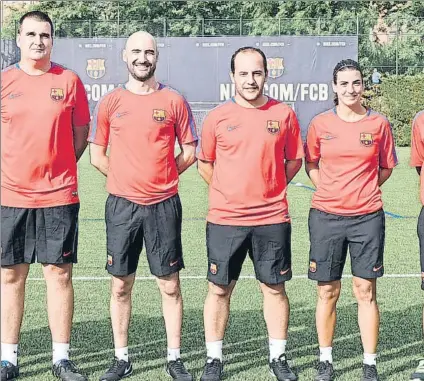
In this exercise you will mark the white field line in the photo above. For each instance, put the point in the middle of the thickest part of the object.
(100, 278)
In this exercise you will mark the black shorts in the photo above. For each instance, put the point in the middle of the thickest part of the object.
(159, 225)
(269, 247)
(331, 235)
(45, 235)
(420, 230)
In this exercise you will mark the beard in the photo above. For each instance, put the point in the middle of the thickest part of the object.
(146, 75)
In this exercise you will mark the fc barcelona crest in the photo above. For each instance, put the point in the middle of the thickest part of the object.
(366, 139)
(275, 67)
(213, 268)
(159, 115)
(57, 94)
(96, 68)
(273, 126)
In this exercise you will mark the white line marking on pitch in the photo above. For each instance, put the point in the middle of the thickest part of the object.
(94, 278)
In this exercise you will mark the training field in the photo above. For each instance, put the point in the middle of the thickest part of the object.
(245, 345)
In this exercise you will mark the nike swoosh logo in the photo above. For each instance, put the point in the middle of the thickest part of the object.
(67, 254)
(16, 95)
(284, 272)
(173, 263)
(329, 137)
(377, 268)
(121, 114)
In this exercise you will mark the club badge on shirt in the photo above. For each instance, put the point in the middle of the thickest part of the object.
(366, 139)
(273, 126)
(159, 115)
(57, 94)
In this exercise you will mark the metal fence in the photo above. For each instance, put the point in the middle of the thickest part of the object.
(206, 27)
(201, 27)
(388, 48)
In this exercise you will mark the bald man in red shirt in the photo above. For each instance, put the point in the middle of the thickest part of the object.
(44, 127)
(142, 120)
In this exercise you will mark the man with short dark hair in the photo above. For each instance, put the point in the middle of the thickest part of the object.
(251, 149)
(44, 127)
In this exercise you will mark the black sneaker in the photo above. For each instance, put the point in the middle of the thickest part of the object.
(325, 371)
(212, 370)
(9, 371)
(66, 370)
(418, 375)
(369, 373)
(177, 371)
(118, 370)
(280, 368)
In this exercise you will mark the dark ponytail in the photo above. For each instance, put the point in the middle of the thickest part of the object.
(342, 66)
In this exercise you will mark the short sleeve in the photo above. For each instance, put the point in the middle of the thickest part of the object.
(185, 127)
(100, 124)
(294, 147)
(312, 144)
(387, 152)
(417, 143)
(207, 151)
(81, 111)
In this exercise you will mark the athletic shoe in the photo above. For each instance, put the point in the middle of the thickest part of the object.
(418, 375)
(280, 368)
(118, 370)
(212, 370)
(369, 373)
(9, 371)
(177, 371)
(66, 370)
(325, 371)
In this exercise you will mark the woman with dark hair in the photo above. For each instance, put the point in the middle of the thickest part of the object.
(350, 153)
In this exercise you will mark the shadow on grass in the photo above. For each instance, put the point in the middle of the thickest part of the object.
(245, 345)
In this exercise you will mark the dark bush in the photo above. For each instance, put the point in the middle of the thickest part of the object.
(399, 98)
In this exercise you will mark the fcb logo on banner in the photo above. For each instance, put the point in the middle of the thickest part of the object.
(159, 115)
(96, 68)
(275, 67)
(273, 126)
(366, 139)
(57, 94)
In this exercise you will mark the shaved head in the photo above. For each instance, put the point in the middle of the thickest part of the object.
(141, 55)
(140, 37)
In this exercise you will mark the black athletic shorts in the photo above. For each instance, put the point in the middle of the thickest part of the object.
(159, 225)
(269, 247)
(43, 235)
(420, 230)
(331, 235)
